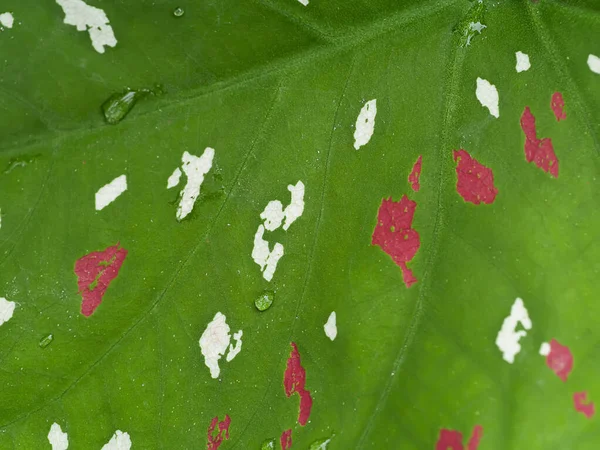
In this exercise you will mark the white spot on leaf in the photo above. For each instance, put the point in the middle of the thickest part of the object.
(174, 178)
(214, 342)
(273, 215)
(304, 2)
(194, 168)
(90, 19)
(6, 310)
(7, 20)
(58, 439)
(487, 94)
(108, 193)
(266, 259)
(330, 326)
(545, 349)
(119, 441)
(365, 124)
(474, 27)
(296, 206)
(508, 336)
(523, 63)
(593, 63)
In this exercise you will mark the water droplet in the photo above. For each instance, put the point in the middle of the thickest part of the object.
(46, 341)
(178, 12)
(320, 444)
(264, 300)
(268, 444)
(118, 105)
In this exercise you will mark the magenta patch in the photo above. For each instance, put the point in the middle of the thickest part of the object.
(294, 381)
(449, 440)
(475, 438)
(415, 173)
(540, 151)
(222, 432)
(558, 104)
(475, 182)
(95, 272)
(560, 359)
(582, 405)
(393, 233)
(286, 439)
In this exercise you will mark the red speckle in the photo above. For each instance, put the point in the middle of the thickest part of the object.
(583, 406)
(540, 151)
(475, 438)
(557, 104)
(415, 173)
(393, 233)
(286, 439)
(94, 273)
(475, 182)
(215, 440)
(294, 380)
(449, 439)
(560, 359)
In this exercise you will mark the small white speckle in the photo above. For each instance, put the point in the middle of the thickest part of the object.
(194, 168)
(523, 63)
(174, 178)
(365, 124)
(6, 310)
(7, 20)
(119, 441)
(58, 439)
(545, 349)
(508, 337)
(109, 192)
(487, 94)
(593, 63)
(330, 326)
(90, 19)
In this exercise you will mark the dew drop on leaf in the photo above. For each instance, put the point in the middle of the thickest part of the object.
(268, 444)
(264, 300)
(178, 12)
(118, 105)
(46, 341)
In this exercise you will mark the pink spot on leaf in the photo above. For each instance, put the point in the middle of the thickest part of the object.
(475, 182)
(558, 104)
(475, 438)
(560, 359)
(294, 380)
(95, 272)
(415, 173)
(286, 439)
(582, 405)
(449, 440)
(393, 233)
(540, 151)
(222, 432)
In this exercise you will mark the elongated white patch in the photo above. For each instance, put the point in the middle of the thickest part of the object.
(7, 20)
(523, 63)
(487, 94)
(365, 124)
(266, 259)
(593, 63)
(233, 351)
(508, 337)
(330, 326)
(273, 215)
(194, 168)
(304, 2)
(90, 19)
(109, 192)
(58, 439)
(296, 206)
(174, 178)
(119, 441)
(545, 349)
(214, 342)
(6, 310)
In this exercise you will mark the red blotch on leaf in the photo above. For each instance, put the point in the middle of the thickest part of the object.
(475, 182)
(415, 173)
(95, 272)
(582, 405)
(393, 233)
(560, 359)
(222, 432)
(540, 151)
(294, 381)
(475, 438)
(557, 104)
(286, 439)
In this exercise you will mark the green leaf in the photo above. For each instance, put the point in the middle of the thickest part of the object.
(275, 88)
